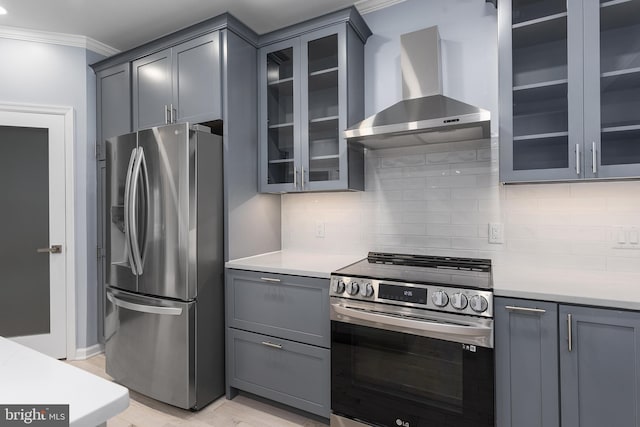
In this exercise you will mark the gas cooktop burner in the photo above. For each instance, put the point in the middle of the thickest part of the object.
(468, 264)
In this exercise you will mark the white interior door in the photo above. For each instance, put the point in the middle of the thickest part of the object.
(33, 290)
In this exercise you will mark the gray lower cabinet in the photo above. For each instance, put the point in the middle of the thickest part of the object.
(278, 338)
(599, 367)
(285, 371)
(526, 351)
(566, 365)
(178, 84)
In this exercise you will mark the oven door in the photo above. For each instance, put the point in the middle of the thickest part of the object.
(409, 367)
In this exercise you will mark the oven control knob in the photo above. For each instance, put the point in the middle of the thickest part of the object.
(366, 290)
(459, 301)
(338, 287)
(352, 288)
(478, 303)
(440, 298)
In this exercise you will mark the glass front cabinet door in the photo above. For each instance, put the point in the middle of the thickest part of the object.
(569, 89)
(280, 128)
(612, 88)
(310, 93)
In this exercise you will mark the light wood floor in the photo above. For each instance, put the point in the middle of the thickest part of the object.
(243, 411)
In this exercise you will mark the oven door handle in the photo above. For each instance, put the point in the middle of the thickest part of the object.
(418, 325)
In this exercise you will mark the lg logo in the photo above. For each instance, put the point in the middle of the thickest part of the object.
(401, 423)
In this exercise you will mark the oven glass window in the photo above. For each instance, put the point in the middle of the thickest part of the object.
(414, 368)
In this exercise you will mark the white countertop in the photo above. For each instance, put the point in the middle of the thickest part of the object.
(29, 377)
(599, 288)
(296, 263)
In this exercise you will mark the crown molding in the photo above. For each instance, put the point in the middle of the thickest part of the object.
(367, 6)
(57, 38)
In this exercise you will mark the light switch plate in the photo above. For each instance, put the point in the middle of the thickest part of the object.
(320, 229)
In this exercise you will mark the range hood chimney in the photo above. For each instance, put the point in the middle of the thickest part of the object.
(424, 116)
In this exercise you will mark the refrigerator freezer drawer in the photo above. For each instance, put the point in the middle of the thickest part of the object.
(150, 346)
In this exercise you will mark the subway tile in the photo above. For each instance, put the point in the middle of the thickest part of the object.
(538, 191)
(473, 217)
(485, 154)
(426, 218)
(405, 229)
(473, 168)
(427, 170)
(427, 241)
(452, 230)
(410, 160)
(452, 157)
(451, 181)
(388, 173)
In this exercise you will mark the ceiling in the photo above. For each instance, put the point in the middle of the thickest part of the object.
(123, 24)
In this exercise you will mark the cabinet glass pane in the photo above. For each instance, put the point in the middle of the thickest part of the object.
(280, 116)
(527, 10)
(540, 51)
(543, 153)
(540, 85)
(324, 164)
(323, 109)
(620, 147)
(620, 82)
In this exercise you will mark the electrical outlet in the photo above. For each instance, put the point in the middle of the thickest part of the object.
(626, 238)
(496, 233)
(320, 229)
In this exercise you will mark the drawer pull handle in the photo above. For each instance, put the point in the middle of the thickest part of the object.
(269, 279)
(525, 309)
(270, 344)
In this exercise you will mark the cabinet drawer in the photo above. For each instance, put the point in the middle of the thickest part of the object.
(290, 307)
(287, 372)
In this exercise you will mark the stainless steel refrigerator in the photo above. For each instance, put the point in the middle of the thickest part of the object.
(164, 322)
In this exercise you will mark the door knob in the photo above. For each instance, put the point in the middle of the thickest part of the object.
(54, 249)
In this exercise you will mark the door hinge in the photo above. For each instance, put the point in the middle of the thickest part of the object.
(96, 149)
(99, 252)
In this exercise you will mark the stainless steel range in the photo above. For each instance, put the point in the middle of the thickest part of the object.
(412, 342)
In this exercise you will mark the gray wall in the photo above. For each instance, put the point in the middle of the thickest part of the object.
(48, 74)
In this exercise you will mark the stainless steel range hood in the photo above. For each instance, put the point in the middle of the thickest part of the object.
(424, 116)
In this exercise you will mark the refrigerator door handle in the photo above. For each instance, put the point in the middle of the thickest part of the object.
(151, 309)
(127, 207)
(133, 213)
(144, 174)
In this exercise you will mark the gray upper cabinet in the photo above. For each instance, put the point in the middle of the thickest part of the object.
(527, 363)
(612, 88)
(113, 95)
(566, 365)
(178, 84)
(113, 98)
(311, 89)
(197, 79)
(600, 367)
(152, 97)
(569, 90)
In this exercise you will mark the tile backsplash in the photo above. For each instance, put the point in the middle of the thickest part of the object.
(439, 199)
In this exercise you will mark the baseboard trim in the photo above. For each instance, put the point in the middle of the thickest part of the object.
(87, 352)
